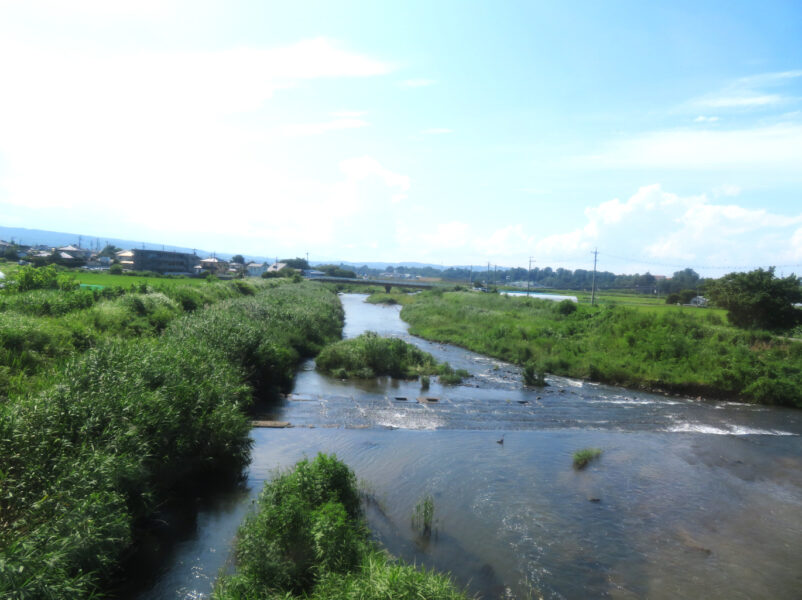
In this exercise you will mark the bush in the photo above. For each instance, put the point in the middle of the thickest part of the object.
(566, 307)
(371, 355)
(584, 456)
(534, 374)
(308, 539)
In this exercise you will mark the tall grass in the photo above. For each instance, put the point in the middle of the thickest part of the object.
(371, 355)
(132, 421)
(308, 539)
(666, 351)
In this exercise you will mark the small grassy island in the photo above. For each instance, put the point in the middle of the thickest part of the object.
(371, 355)
(584, 456)
(308, 540)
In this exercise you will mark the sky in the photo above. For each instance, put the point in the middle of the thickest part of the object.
(664, 135)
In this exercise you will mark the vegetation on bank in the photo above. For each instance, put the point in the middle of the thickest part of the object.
(370, 355)
(584, 456)
(136, 417)
(308, 539)
(665, 350)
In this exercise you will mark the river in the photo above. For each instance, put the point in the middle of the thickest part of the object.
(689, 499)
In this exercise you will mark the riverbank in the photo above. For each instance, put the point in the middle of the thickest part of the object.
(663, 352)
(133, 420)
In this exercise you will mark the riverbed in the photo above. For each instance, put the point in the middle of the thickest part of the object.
(689, 499)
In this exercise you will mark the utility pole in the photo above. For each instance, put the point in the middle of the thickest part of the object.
(593, 288)
(529, 276)
(487, 279)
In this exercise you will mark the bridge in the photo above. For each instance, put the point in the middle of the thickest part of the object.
(387, 283)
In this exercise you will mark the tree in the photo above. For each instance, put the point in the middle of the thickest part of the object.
(109, 250)
(296, 263)
(758, 299)
(238, 258)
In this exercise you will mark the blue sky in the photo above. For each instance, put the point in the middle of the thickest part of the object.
(664, 134)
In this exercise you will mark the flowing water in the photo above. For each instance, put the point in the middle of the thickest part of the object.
(690, 498)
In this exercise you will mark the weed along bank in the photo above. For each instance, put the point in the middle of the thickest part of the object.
(572, 489)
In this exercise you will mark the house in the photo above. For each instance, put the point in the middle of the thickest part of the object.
(75, 252)
(158, 261)
(698, 301)
(254, 269)
(276, 267)
(214, 265)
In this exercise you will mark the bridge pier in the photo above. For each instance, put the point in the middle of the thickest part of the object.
(387, 288)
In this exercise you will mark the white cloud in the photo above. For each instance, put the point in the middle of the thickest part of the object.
(452, 235)
(301, 129)
(748, 93)
(349, 114)
(364, 167)
(505, 242)
(726, 189)
(656, 230)
(773, 147)
(704, 119)
(745, 101)
(437, 131)
(416, 83)
(166, 143)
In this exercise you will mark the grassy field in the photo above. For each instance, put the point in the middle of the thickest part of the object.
(106, 279)
(684, 350)
(149, 403)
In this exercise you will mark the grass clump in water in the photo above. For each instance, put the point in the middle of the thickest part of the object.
(308, 539)
(423, 517)
(584, 456)
(370, 355)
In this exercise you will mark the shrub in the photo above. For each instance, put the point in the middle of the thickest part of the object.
(566, 307)
(584, 456)
(534, 374)
(308, 539)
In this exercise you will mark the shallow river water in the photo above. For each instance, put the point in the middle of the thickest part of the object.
(690, 498)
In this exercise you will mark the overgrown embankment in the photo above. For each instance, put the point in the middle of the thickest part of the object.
(668, 351)
(133, 420)
(308, 539)
(41, 327)
(370, 355)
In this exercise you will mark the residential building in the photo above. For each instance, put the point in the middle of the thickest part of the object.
(158, 261)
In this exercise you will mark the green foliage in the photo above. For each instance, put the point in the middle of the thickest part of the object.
(308, 539)
(584, 456)
(566, 307)
(758, 299)
(295, 263)
(423, 517)
(681, 350)
(370, 355)
(40, 278)
(116, 269)
(336, 271)
(135, 419)
(534, 374)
